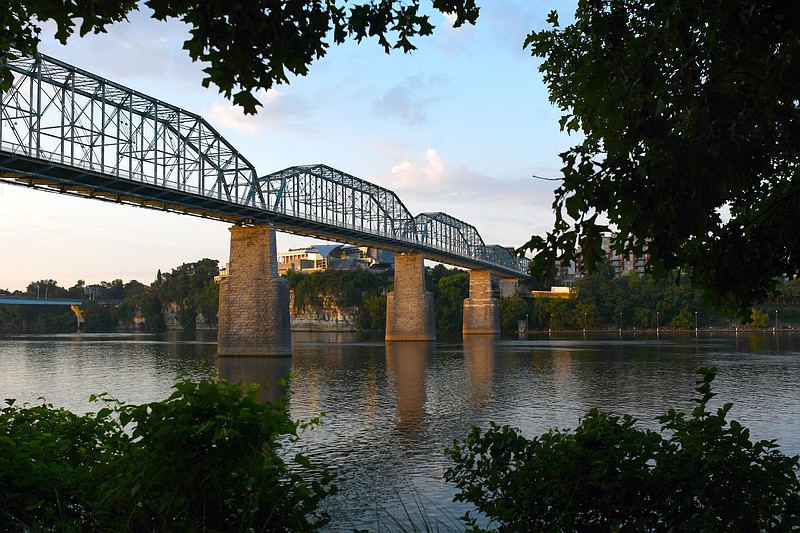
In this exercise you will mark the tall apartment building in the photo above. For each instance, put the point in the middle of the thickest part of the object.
(569, 273)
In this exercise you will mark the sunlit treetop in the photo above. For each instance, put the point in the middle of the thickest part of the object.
(247, 45)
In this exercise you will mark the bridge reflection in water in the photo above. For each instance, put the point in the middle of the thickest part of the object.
(374, 403)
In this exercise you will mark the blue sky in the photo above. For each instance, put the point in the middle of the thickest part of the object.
(459, 126)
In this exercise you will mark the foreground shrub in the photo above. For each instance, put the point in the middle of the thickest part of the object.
(210, 457)
(700, 473)
(49, 465)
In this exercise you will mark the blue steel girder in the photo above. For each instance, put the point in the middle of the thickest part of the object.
(447, 233)
(442, 231)
(66, 116)
(323, 194)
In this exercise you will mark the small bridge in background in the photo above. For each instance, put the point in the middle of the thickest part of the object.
(66, 130)
(73, 303)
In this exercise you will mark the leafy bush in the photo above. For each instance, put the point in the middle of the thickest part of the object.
(700, 473)
(49, 465)
(210, 457)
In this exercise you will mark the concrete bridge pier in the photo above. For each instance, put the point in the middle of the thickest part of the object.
(481, 313)
(253, 299)
(508, 287)
(78, 316)
(409, 308)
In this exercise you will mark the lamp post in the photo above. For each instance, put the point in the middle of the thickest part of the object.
(620, 321)
(695, 322)
(776, 320)
(658, 321)
(526, 322)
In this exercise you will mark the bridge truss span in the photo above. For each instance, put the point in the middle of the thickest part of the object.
(66, 130)
(144, 149)
(449, 234)
(321, 194)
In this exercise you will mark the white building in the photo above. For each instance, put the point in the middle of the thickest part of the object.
(333, 257)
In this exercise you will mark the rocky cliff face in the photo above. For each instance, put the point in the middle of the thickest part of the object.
(328, 317)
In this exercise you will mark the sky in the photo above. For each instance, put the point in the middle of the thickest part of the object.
(460, 125)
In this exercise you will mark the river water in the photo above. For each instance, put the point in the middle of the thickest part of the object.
(391, 409)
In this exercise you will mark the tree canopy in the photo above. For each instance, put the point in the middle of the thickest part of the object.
(689, 112)
(247, 45)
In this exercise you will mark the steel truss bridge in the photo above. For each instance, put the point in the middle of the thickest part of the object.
(66, 130)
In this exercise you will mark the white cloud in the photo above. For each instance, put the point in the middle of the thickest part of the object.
(505, 211)
(279, 111)
(231, 116)
(426, 173)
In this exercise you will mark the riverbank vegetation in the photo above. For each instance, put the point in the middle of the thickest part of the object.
(701, 472)
(597, 301)
(183, 294)
(211, 457)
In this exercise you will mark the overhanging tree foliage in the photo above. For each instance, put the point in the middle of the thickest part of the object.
(247, 45)
(692, 138)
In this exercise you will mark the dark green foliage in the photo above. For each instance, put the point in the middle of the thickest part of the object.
(358, 291)
(373, 317)
(702, 473)
(247, 45)
(449, 286)
(512, 310)
(211, 457)
(98, 317)
(40, 318)
(450, 290)
(50, 464)
(689, 118)
(46, 288)
(191, 288)
(601, 301)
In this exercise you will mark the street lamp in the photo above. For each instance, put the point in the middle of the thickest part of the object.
(620, 321)
(695, 321)
(658, 321)
(776, 320)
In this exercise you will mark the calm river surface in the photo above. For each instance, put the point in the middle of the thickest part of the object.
(390, 409)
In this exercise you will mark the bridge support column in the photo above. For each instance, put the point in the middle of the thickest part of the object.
(508, 287)
(78, 316)
(409, 308)
(481, 313)
(253, 299)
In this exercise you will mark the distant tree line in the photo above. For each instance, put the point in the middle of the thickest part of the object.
(187, 291)
(602, 300)
(599, 300)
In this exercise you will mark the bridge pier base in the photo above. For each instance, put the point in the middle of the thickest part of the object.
(253, 299)
(78, 316)
(481, 312)
(409, 308)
